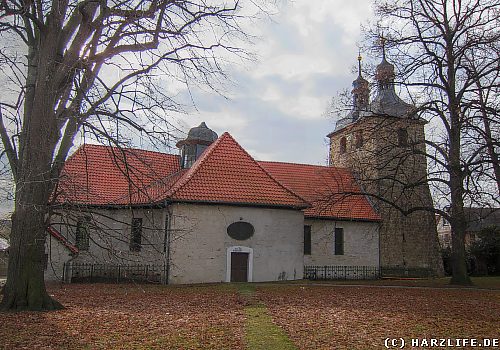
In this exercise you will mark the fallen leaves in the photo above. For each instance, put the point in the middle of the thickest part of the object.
(107, 316)
(100, 316)
(362, 317)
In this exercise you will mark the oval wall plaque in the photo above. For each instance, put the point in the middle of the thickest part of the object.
(240, 230)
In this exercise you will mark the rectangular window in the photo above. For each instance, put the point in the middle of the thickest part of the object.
(402, 137)
(307, 240)
(82, 233)
(339, 241)
(136, 235)
(359, 139)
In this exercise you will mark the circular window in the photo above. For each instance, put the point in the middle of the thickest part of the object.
(240, 230)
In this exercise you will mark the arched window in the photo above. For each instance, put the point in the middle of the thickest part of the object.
(359, 139)
(402, 137)
(343, 145)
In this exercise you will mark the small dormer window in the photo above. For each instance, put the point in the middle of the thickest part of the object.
(343, 145)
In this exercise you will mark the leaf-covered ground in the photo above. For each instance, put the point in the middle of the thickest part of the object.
(109, 316)
(339, 317)
(106, 316)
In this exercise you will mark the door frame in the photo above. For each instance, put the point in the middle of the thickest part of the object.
(239, 249)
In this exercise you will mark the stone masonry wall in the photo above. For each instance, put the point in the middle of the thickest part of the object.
(397, 174)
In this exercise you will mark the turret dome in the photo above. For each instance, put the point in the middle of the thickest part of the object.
(192, 147)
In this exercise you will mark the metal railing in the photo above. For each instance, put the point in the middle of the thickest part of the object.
(414, 272)
(90, 272)
(330, 272)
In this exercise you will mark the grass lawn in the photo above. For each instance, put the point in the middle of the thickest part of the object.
(249, 316)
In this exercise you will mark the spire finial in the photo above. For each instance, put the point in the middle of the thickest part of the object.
(383, 40)
(359, 62)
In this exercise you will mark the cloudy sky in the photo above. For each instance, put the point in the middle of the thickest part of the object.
(276, 108)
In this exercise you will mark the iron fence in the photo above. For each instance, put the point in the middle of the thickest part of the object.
(406, 272)
(90, 272)
(341, 272)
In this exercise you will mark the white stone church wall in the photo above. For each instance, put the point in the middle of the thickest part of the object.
(110, 243)
(200, 243)
(361, 243)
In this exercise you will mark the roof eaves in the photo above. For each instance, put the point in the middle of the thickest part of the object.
(341, 218)
(242, 204)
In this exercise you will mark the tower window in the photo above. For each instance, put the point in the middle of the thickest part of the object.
(136, 235)
(359, 139)
(402, 137)
(343, 145)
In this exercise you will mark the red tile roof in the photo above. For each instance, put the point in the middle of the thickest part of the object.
(225, 173)
(102, 175)
(330, 190)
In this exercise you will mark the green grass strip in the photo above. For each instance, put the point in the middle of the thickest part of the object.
(260, 331)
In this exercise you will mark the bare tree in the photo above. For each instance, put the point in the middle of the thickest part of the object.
(102, 67)
(447, 53)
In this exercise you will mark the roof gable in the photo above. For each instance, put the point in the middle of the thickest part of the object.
(226, 173)
(332, 191)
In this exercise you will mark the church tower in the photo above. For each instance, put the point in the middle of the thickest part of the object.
(383, 142)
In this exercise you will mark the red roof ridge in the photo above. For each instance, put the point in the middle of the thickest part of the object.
(91, 145)
(305, 164)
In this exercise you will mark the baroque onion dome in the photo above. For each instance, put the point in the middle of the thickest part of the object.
(387, 102)
(198, 139)
(361, 99)
(360, 91)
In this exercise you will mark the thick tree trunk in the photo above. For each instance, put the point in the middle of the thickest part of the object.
(458, 254)
(25, 287)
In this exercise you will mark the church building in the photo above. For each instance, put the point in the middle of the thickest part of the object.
(212, 213)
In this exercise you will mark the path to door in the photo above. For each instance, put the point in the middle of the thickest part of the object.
(260, 331)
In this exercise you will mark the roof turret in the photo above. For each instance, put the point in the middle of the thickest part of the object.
(200, 134)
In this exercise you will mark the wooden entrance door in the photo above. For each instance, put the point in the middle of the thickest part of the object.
(239, 267)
